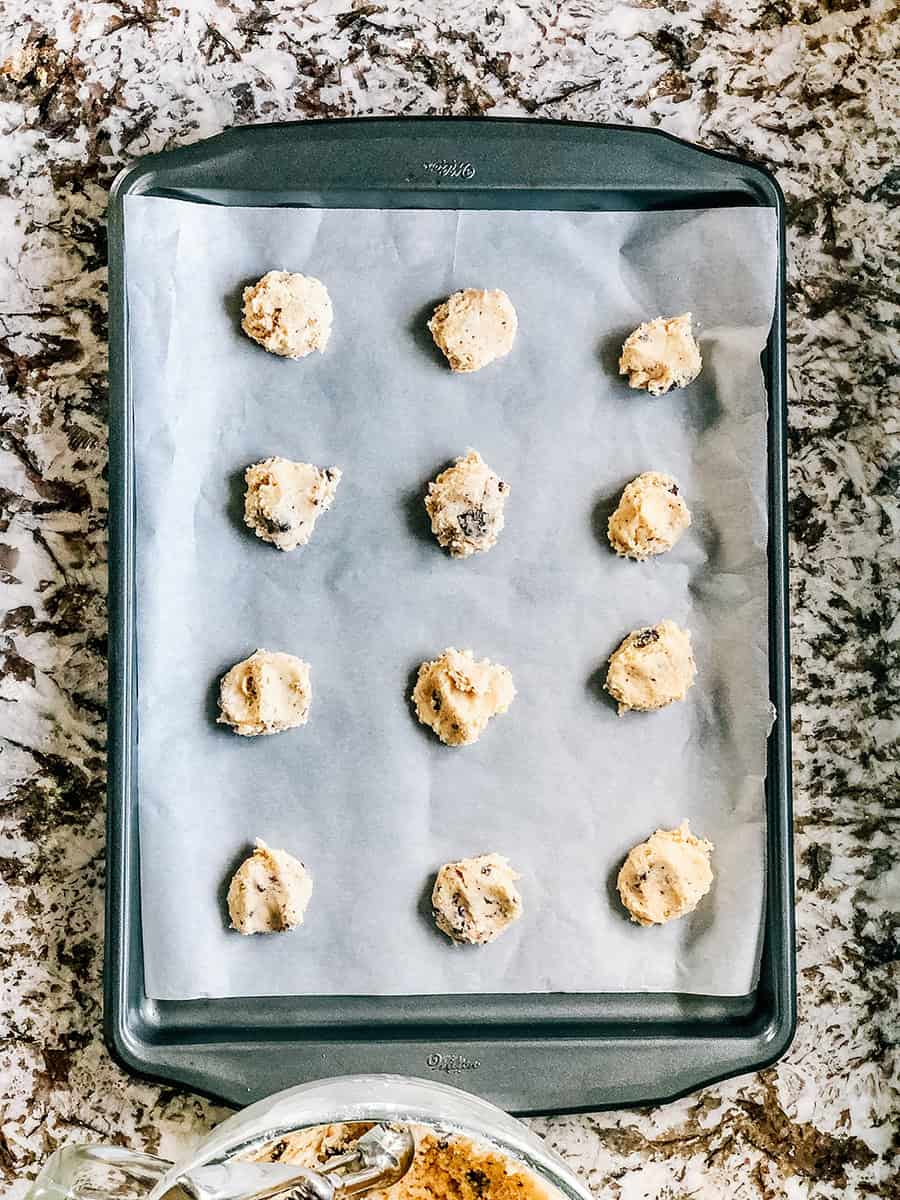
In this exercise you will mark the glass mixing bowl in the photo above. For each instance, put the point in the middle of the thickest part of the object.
(108, 1173)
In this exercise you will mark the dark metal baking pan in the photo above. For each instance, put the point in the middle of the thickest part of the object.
(527, 1053)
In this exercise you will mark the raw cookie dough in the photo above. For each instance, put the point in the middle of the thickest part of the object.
(266, 693)
(284, 498)
(650, 518)
(446, 1166)
(665, 877)
(268, 892)
(651, 668)
(457, 696)
(473, 327)
(661, 354)
(475, 899)
(288, 314)
(465, 504)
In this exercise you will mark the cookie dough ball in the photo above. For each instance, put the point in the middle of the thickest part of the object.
(465, 504)
(457, 696)
(651, 517)
(661, 354)
(266, 693)
(665, 877)
(288, 314)
(269, 892)
(284, 498)
(476, 899)
(473, 327)
(652, 668)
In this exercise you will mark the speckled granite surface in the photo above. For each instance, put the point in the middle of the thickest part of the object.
(811, 89)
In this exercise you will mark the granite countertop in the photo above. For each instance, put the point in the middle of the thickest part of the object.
(812, 90)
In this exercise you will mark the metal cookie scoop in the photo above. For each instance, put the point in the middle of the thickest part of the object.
(382, 1156)
(379, 1159)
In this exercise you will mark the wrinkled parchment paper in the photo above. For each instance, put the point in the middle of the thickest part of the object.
(367, 798)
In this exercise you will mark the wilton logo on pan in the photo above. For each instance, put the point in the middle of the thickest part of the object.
(450, 168)
(452, 1062)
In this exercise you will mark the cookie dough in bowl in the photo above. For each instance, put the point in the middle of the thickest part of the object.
(269, 892)
(268, 692)
(652, 667)
(465, 504)
(288, 314)
(456, 696)
(665, 877)
(447, 1165)
(474, 327)
(476, 899)
(284, 499)
(650, 518)
(661, 354)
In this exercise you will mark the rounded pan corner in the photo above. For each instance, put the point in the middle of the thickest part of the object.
(133, 179)
(125, 1046)
(776, 1038)
(756, 177)
(771, 1047)
(136, 1043)
(765, 183)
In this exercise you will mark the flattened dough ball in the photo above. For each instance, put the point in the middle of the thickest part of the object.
(476, 899)
(652, 668)
(265, 693)
(288, 314)
(473, 327)
(268, 892)
(284, 499)
(650, 518)
(465, 504)
(457, 696)
(661, 354)
(665, 877)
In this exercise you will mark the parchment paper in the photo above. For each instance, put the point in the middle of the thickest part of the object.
(366, 797)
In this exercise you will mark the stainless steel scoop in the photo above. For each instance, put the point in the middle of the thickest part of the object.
(380, 1158)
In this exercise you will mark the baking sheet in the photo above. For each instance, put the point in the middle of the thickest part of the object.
(369, 799)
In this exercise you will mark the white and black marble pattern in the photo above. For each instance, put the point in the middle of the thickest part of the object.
(811, 89)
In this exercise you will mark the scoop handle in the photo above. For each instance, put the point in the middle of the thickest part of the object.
(250, 1181)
